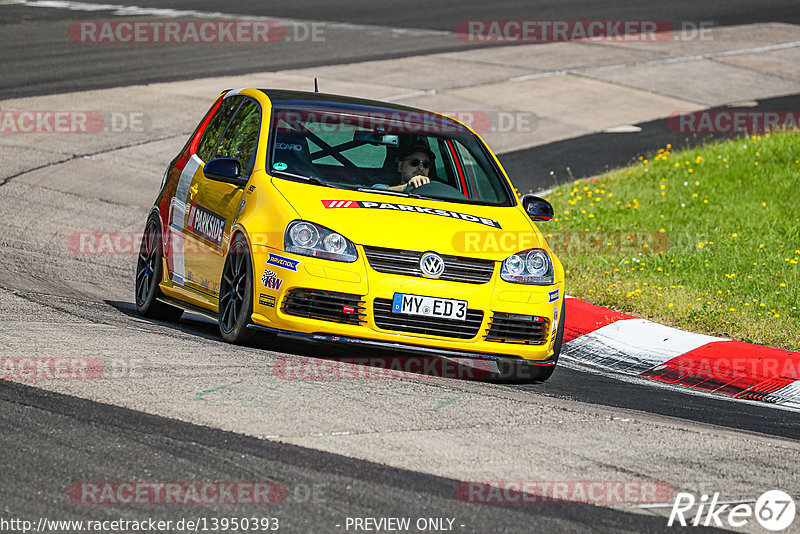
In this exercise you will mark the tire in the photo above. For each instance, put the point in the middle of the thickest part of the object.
(236, 293)
(148, 275)
(527, 372)
(546, 372)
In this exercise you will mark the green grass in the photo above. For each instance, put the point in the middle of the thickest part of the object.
(706, 240)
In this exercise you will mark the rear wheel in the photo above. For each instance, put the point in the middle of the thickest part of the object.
(148, 276)
(236, 293)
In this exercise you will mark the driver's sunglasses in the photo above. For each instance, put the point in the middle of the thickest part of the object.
(416, 161)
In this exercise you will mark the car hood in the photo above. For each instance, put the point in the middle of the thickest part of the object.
(399, 222)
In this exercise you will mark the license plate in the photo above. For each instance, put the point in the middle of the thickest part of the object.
(429, 306)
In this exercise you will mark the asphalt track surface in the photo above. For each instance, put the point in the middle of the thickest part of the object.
(37, 57)
(51, 440)
(545, 166)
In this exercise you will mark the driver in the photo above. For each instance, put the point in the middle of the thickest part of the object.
(414, 163)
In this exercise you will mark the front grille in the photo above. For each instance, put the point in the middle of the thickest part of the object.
(406, 262)
(418, 324)
(325, 305)
(515, 328)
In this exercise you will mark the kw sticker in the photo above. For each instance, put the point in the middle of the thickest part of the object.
(270, 280)
(332, 204)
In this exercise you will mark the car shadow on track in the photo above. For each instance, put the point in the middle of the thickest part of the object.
(297, 359)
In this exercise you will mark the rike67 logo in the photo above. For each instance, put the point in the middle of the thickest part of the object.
(774, 510)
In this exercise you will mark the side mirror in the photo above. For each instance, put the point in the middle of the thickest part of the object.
(537, 208)
(225, 170)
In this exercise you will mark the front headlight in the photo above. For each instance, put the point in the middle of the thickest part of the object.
(532, 266)
(311, 239)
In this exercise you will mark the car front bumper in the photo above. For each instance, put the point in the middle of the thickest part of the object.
(360, 280)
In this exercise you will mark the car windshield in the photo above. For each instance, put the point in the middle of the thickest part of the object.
(361, 149)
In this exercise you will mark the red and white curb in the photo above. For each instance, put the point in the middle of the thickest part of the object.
(621, 343)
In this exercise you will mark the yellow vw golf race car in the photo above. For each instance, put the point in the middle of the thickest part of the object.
(334, 219)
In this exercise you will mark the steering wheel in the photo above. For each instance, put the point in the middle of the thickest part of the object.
(436, 189)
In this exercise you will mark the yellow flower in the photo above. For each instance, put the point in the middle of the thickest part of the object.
(782, 284)
(677, 164)
(662, 230)
(701, 244)
(734, 234)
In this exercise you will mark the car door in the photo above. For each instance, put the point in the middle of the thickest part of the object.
(213, 206)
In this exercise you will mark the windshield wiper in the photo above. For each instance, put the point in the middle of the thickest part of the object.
(312, 180)
(395, 193)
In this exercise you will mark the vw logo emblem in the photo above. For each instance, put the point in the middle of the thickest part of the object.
(431, 264)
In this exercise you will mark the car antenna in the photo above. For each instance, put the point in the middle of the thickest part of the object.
(316, 88)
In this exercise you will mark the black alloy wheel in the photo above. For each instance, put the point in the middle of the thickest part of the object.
(236, 293)
(148, 276)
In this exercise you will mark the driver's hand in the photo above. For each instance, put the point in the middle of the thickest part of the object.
(417, 181)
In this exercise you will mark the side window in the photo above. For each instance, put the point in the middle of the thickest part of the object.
(239, 140)
(208, 142)
(440, 170)
(480, 186)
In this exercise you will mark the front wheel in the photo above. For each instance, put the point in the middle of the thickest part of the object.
(528, 372)
(236, 293)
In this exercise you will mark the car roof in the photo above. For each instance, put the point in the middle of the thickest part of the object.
(285, 96)
(339, 103)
